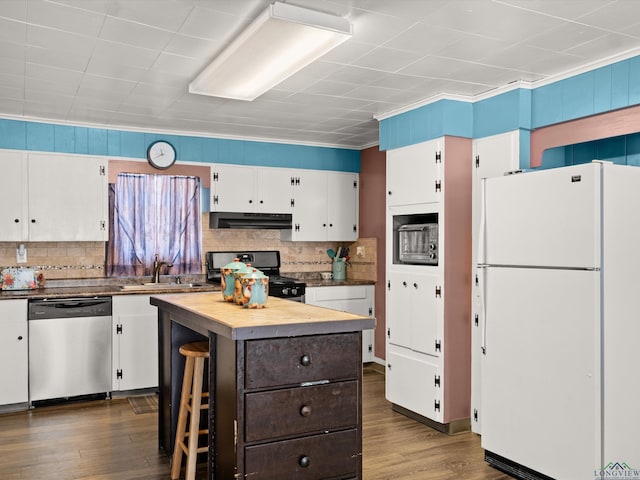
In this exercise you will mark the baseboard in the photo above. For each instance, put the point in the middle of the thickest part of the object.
(451, 428)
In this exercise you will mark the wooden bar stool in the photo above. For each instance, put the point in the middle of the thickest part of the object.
(191, 403)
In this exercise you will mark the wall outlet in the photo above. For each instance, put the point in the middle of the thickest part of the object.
(360, 251)
(21, 254)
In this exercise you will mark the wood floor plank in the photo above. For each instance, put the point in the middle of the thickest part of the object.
(106, 440)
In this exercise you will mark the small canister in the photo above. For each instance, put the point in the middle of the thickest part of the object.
(255, 289)
(228, 279)
(339, 269)
(238, 274)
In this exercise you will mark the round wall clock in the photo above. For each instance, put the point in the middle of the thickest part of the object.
(161, 154)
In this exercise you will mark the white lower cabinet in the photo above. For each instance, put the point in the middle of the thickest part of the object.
(416, 382)
(357, 299)
(14, 352)
(135, 343)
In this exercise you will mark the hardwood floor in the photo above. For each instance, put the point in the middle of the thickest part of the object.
(107, 440)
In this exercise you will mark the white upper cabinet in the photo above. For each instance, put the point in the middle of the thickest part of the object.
(14, 209)
(325, 206)
(247, 189)
(53, 197)
(414, 174)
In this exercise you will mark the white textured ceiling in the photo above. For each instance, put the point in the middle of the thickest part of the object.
(128, 63)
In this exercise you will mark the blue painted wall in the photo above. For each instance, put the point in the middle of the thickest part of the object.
(597, 91)
(622, 150)
(46, 137)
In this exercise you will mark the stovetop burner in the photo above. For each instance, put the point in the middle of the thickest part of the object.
(266, 261)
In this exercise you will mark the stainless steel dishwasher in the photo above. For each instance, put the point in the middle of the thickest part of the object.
(69, 347)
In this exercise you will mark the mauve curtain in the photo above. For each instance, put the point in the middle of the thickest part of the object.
(154, 214)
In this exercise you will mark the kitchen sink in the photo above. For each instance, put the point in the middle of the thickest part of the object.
(161, 286)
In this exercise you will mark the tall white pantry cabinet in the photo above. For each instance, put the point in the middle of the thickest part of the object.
(428, 375)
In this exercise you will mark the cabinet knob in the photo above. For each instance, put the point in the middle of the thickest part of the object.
(20, 337)
(324, 224)
(305, 411)
(389, 192)
(331, 224)
(304, 461)
(33, 220)
(250, 201)
(17, 220)
(415, 285)
(404, 284)
(305, 360)
(261, 202)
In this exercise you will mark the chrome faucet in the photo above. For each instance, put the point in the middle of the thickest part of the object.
(156, 268)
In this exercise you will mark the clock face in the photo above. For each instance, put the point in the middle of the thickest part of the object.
(161, 154)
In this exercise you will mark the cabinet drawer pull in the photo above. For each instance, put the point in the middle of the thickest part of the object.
(305, 411)
(305, 360)
(304, 461)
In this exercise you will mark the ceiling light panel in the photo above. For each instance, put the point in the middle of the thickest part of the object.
(280, 42)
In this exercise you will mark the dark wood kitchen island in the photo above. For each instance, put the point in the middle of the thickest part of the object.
(285, 386)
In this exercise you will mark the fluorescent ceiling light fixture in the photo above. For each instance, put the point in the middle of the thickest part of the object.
(280, 42)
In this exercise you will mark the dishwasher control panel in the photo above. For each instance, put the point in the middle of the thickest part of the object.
(70, 308)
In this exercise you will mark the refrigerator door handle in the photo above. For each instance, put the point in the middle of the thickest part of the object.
(481, 276)
(481, 258)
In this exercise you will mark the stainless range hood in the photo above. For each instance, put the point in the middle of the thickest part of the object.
(273, 221)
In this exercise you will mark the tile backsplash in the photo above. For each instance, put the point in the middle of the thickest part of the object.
(61, 260)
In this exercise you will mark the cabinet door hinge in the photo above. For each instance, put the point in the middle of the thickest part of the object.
(119, 373)
(477, 161)
(370, 311)
(388, 284)
(476, 321)
(103, 170)
(438, 186)
(389, 332)
(438, 346)
(119, 329)
(293, 202)
(436, 380)
(103, 225)
(297, 227)
(355, 184)
(370, 348)
(436, 405)
(475, 415)
(439, 157)
(355, 228)
(438, 291)
(215, 176)
(295, 181)
(215, 199)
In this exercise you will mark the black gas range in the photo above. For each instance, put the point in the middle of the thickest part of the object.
(268, 262)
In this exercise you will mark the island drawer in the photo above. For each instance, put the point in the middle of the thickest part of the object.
(299, 360)
(332, 455)
(295, 411)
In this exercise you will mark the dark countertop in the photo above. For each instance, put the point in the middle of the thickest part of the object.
(112, 286)
(103, 287)
(314, 282)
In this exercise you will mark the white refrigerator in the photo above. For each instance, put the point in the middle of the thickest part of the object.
(559, 252)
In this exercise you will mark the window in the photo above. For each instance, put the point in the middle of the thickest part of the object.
(154, 215)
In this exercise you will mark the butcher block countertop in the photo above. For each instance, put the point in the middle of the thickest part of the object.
(208, 312)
